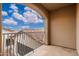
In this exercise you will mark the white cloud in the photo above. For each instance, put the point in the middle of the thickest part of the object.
(33, 11)
(39, 21)
(19, 17)
(10, 21)
(27, 17)
(27, 8)
(4, 13)
(15, 10)
(25, 27)
(31, 18)
(13, 6)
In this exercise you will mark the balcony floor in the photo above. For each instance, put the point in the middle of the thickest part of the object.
(48, 50)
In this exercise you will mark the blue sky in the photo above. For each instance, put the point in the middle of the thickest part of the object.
(18, 16)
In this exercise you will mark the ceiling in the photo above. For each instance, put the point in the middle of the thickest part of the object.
(54, 6)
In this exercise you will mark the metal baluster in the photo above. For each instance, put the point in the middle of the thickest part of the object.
(23, 38)
(13, 44)
(7, 43)
(15, 47)
(21, 42)
(10, 44)
(17, 44)
(3, 44)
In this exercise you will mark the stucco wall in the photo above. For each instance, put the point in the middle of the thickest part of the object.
(77, 29)
(63, 27)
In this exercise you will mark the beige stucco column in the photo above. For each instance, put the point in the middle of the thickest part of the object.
(77, 29)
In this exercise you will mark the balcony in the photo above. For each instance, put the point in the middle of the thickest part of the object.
(21, 43)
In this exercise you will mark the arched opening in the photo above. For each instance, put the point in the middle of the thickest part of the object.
(23, 29)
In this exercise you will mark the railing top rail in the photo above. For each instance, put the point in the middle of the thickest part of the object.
(9, 33)
(26, 33)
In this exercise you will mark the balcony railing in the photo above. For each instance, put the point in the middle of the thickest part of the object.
(21, 43)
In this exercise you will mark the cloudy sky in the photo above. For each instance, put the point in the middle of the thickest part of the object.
(18, 16)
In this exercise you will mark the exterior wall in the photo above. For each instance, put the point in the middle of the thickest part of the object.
(63, 27)
(77, 29)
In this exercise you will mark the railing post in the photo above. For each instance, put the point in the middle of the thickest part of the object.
(0, 31)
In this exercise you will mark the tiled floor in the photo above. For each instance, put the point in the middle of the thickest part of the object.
(47, 50)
